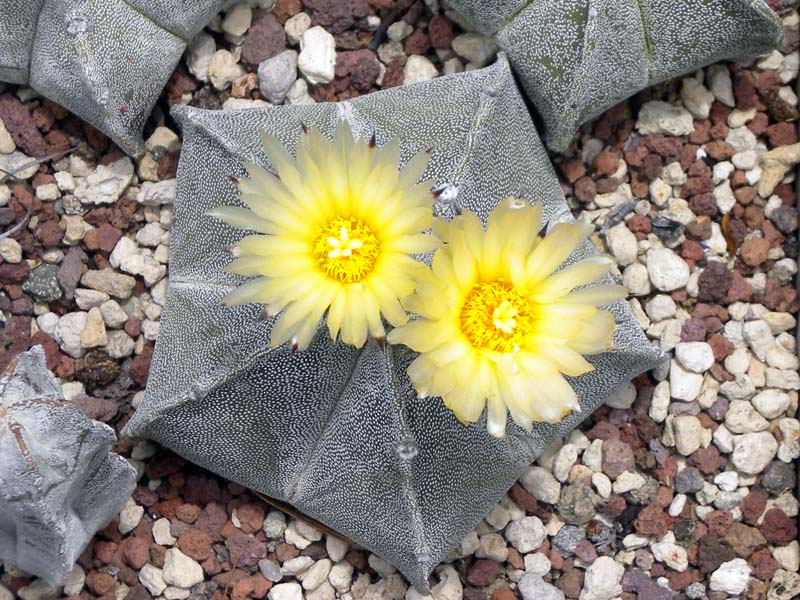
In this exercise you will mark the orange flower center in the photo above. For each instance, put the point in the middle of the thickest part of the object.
(496, 316)
(346, 250)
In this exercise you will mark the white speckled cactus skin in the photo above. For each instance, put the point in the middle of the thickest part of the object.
(105, 60)
(59, 482)
(335, 431)
(578, 58)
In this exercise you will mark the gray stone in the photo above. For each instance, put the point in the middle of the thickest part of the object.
(42, 283)
(778, 478)
(213, 367)
(276, 75)
(59, 483)
(104, 60)
(567, 538)
(577, 59)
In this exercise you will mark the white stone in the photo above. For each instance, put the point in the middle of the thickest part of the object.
(565, 458)
(7, 145)
(745, 160)
(181, 570)
(742, 139)
(602, 579)
(161, 533)
(785, 380)
(533, 587)
(741, 417)
(723, 194)
(696, 98)
(130, 516)
(602, 484)
(788, 557)
(106, 184)
(720, 84)
(113, 315)
(684, 385)
(660, 192)
(526, 535)
(151, 235)
(380, 566)
(789, 449)
(10, 250)
(659, 404)
(277, 74)
(671, 554)
(418, 68)
(622, 397)
(223, 69)
(157, 194)
(731, 577)
(237, 20)
(94, 331)
(317, 574)
(771, 403)
(317, 58)
(340, 576)
(73, 584)
(677, 505)
(475, 48)
(286, 591)
(723, 170)
(152, 579)
(758, 336)
(667, 270)
(688, 432)
(660, 307)
(727, 481)
(781, 358)
(636, 279)
(163, 139)
(627, 481)
(296, 26)
(541, 484)
(67, 333)
(753, 452)
(658, 117)
(274, 524)
(336, 547)
(492, 546)
(537, 563)
(695, 356)
(622, 244)
(199, 55)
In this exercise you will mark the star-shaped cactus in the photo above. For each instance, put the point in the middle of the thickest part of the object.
(59, 482)
(578, 58)
(338, 431)
(105, 60)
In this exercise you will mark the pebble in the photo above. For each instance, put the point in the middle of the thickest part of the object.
(697, 357)
(68, 332)
(10, 250)
(533, 587)
(223, 69)
(276, 75)
(7, 145)
(419, 68)
(758, 336)
(526, 535)
(161, 532)
(157, 194)
(114, 284)
(199, 55)
(475, 48)
(297, 25)
(671, 554)
(317, 55)
(731, 577)
(94, 330)
(741, 417)
(689, 434)
(696, 98)
(752, 452)
(602, 579)
(636, 279)
(622, 244)
(106, 183)
(541, 484)
(237, 21)
(340, 576)
(683, 384)
(130, 516)
(180, 570)
(658, 117)
(720, 84)
(286, 591)
(667, 270)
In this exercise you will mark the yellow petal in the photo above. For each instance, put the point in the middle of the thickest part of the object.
(597, 336)
(241, 218)
(598, 295)
(563, 282)
(560, 242)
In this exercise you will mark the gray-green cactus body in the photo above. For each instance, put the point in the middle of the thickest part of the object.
(577, 58)
(59, 481)
(339, 432)
(105, 60)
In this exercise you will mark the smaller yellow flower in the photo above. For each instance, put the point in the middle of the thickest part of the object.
(337, 229)
(499, 326)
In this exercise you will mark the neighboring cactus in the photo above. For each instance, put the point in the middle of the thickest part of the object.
(576, 59)
(59, 483)
(105, 60)
(337, 431)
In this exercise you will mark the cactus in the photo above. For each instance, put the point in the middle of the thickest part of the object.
(336, 431)
(59, 483)
(578, 59)
(105, 60)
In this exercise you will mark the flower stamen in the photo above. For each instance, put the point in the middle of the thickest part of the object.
(496, 316)
(346, 250)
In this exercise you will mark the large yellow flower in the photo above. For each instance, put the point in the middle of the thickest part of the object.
(499, 326)
(336, 229)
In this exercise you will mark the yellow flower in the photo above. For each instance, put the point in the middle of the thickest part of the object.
(499, 326)
(336, 229)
